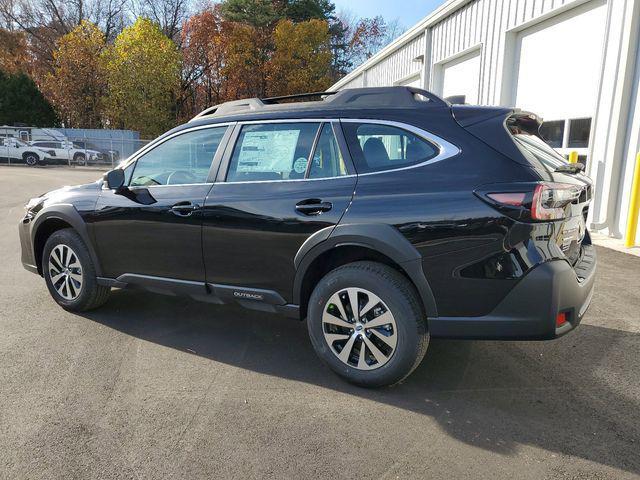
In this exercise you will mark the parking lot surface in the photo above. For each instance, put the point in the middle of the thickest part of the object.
(163, 387)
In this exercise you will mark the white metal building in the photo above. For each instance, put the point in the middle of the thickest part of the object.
(574, 62)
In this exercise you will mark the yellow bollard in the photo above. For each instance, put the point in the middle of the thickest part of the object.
(634, 207)
(573, 157)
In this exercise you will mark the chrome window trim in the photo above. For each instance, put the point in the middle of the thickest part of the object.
(139, 187)
(288, 120)
(445, 148)
(287, 180)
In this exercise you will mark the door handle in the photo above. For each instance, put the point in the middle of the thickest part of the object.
(184, 209)
(313, 206)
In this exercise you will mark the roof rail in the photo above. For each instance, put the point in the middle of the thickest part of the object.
(272, 100)
(369, 97)
(235, 106)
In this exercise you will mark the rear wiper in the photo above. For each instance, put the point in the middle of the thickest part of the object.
(570, 168)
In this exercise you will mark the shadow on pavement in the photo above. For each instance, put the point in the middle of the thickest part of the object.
(574, 396)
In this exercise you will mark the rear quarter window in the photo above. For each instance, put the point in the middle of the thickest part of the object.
(379, 147)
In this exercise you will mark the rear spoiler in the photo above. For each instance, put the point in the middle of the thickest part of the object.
(493, 126)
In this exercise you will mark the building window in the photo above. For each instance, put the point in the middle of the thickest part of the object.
(579, 132)
(553, 133)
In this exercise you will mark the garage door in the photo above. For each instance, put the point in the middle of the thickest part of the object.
(461, 77)
(558, 70)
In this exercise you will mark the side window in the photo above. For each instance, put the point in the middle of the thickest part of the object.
(272, 151)
(327, 160)
(383, 147)
(184, 159)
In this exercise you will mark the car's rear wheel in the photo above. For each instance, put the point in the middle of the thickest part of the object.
(31, 159)
(366, 322)
(70, 274)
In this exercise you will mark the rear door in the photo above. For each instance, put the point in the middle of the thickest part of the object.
(280, 182)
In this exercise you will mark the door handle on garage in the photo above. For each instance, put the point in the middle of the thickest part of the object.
(184, 209)
(313, 206)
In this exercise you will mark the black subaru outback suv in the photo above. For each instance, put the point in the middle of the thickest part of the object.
(382, 216)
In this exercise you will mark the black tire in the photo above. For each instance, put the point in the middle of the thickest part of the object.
(80, 159)
(90, 295)
(400, 298)
(31, 159)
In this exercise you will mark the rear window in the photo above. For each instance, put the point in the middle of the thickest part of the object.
(533, 147)
(377, 147)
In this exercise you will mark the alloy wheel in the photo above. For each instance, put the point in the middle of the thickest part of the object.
(31, 160)
(65, 272)
(359, 328)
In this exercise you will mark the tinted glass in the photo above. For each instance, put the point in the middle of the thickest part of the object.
(274, 151)
(383, 147)
(552, 132)
(184, 159)
(536, 146)
(327, 160)
(579, 132)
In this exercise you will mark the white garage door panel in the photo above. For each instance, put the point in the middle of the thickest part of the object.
(462, 76)
(558, 70)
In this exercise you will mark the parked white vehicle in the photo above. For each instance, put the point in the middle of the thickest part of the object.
(66, 151)
(15, 150)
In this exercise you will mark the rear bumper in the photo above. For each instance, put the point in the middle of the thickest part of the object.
(529, 311)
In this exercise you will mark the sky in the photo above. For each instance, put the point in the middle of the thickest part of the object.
(408, 12)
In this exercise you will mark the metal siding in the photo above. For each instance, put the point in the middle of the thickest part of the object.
(485, 22)
(398, 65)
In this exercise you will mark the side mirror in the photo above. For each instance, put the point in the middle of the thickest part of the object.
(114, 179)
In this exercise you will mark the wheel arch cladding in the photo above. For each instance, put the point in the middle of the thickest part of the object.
(332, 247)
(54, 218)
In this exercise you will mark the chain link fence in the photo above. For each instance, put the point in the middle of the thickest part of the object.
(100, 152)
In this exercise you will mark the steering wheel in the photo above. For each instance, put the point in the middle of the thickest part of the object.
(180, 176)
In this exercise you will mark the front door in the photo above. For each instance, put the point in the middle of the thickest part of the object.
(154, 227)
(284, 182)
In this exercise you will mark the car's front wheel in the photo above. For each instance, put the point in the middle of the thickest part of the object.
(366, 322)
(70, 274)
(80, 159)
(31, 159)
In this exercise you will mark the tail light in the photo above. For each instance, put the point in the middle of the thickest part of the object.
(543, 201)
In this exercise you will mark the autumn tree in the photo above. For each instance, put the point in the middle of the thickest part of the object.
(22, 102)
(204, 49)
(77, 83)
(170, 15)
(257, 13)
(354, 40)
(143, 77)
(45, 21)
(302, 58)
(13, 51)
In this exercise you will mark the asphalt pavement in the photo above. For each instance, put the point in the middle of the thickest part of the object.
(156, 387)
